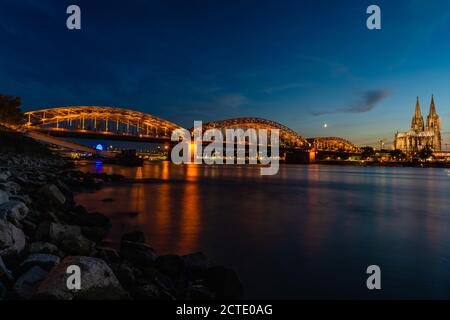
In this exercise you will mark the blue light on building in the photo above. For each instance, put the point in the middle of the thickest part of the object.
(99, 147)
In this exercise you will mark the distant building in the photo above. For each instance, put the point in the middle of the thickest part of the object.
(420, 135)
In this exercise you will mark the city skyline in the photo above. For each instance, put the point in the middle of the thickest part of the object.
(211, 61)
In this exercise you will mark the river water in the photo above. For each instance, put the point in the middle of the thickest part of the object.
(308, 232)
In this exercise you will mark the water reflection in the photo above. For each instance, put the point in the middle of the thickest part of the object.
(309, 232)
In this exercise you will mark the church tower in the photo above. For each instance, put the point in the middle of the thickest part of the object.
(433, 125)
(417, 124)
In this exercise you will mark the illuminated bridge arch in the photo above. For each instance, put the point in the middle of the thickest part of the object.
(333, 144)
(99, 120)
(288, 137)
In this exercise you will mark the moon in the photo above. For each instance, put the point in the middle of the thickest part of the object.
(325, 125)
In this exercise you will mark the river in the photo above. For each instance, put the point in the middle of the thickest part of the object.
(308, 232)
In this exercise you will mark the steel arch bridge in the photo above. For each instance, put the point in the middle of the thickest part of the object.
(333, 144)
(288, 137)
(99, 121)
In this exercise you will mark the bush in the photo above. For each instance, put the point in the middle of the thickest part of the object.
(10, 112)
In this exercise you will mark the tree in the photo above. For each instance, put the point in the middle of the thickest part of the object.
(425, 153)
(397, 154)
(367, 152)
(10, 109)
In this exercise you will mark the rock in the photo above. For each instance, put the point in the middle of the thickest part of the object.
(28, 283)
(10, 187)
(4, 196)
(53, 194)
(136, 236)
(29, 228)
(44, 247)
(4, 175)
(13, 211)
(197, 261)
(50, 216)
(146, 290)
(63, 187)
(12, 239)
(137, 252)
(77, 245)
(172, 265)
(160, 279)
(199, 292)
(108, 254)
(42, 231)
(56, 232)
(96, 234)
(225, 283)
(124, 272)
(98, 281)
(42, 260)
(23, 198)
(5, 274)
(59, 232)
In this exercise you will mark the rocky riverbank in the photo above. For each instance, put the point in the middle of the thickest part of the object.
(43, 232)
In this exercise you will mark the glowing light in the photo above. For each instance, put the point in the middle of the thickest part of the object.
(99, 147)
(325, 125)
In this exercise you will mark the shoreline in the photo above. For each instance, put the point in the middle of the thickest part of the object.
(43, 232)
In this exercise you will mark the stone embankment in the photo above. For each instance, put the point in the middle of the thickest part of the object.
(43, 232)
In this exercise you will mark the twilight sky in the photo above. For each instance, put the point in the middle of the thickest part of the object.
(300, 63)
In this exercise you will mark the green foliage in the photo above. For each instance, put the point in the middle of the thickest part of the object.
(10, 112)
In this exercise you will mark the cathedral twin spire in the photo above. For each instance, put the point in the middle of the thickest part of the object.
(421, 136)
(417, 123)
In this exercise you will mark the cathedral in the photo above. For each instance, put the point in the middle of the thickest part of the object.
(420, 135)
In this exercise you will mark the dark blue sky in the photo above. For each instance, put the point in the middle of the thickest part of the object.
(300, 63)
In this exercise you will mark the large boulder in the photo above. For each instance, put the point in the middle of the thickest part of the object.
(12, 239)
(43, 247)
(161, 280)
(98, 281)
(146, 290)
(110, 255)
(199, 292)
(23, 198)
(5, 273)
(197, 261)
(4, 175)
(125, 273)
(10, 187)
(77, 245)
(56, 232)
(96, 234)
(28, 283)
(171, 265)
(138, 253)
(42, 260)
(4, 196)
(53, 194)
(67, 237)
(225, 283)
(13, 211)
